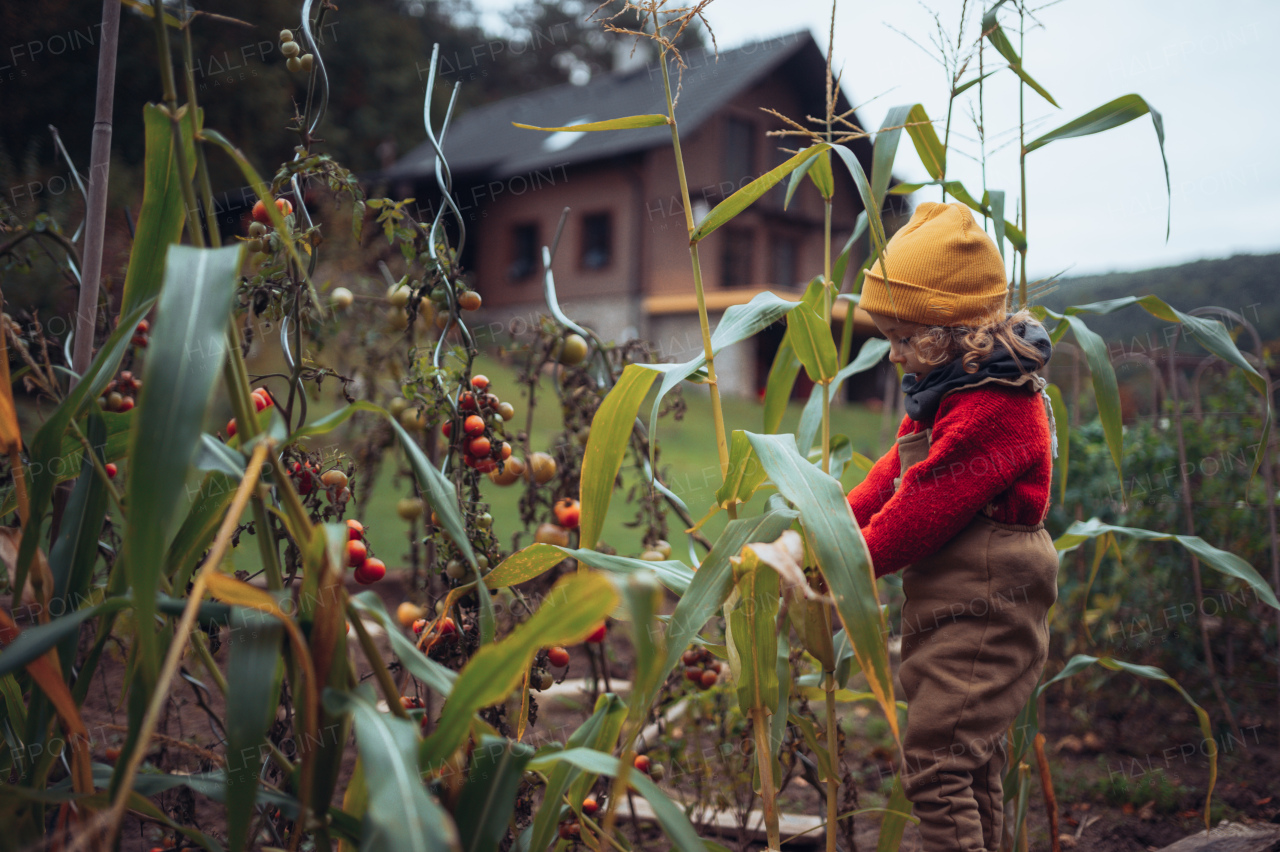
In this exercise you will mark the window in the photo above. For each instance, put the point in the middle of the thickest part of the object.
(524, 251)
(739, 151)
(736, 266)
(597, 241)
(784, 263)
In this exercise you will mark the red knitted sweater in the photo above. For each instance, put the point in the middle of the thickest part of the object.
(990, 448)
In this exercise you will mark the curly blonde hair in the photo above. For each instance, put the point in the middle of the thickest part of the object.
(942, 344)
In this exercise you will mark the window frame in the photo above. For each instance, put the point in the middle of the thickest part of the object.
(731, 236)
(584, 246)
(535, 227)
(729, 153)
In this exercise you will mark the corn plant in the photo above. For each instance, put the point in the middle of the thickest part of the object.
(460, 777)
(445, 782)
(805, 552)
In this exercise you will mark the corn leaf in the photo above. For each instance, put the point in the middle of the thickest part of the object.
(819, 171)
(592, 734)
(1062, 422)
(253, 677)
(631, 122)
(713, 581)
(643, 597)
(332, 421)
(438, 492)
(895, 819)
(46, 674)
(752, 635)
(163, 213)
(572, 609)
(1114, 113)
(434, 675)
(602, 459)
(198, 528)
(36, 640)
(996, 198)
(484, 808)
(187, 349)
(786, 366)
(752, 192)
(67, 466)
(536, 559)
(671, 817)
(738, 323)
(1106, 390)
(840, 265)
(811, 339)
(401, 816)
(745, 472)
(870, 201)
(835, 542)
(924, 136)
(1224, 562)
(75, 551)
(957, 190)
(995, 35)
(778, 387)
(886, 148)
(1209, 333)
(871, 353)
(961, 88)
(45, 449)
(1082, 661)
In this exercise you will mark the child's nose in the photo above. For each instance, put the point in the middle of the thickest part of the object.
(896, 356)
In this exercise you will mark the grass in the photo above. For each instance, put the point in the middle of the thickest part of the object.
(688, 462)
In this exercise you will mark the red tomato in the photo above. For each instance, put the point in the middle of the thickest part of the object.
(357, 553)
(371, 571)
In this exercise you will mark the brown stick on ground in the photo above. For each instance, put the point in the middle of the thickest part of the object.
(1050, 800)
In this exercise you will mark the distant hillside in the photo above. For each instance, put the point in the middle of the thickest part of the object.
(1244, 283)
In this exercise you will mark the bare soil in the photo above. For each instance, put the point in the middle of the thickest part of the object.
(1129, 767)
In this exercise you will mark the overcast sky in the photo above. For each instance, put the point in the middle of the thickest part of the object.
(1098, 203)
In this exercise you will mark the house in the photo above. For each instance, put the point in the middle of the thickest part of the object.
(622, 264)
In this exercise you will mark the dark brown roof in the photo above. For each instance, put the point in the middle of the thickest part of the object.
(484, 144)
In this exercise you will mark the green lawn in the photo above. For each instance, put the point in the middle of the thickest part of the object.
(688, 459)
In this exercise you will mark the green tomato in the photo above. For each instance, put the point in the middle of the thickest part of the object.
(573, 351)
(341, 298)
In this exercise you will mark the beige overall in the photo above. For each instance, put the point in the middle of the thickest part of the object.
(975, 640)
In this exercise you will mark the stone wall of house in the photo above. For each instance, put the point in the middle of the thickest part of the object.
(677, 337)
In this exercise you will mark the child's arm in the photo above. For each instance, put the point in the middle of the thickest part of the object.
(983, 439)
(870, 495)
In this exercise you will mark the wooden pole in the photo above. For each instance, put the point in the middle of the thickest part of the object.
(96, 199)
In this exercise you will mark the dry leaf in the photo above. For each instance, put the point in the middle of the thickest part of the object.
(10, 542)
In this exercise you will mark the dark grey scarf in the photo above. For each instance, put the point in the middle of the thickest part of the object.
(924, 395)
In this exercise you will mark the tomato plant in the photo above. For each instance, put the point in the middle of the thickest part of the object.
(441, 697)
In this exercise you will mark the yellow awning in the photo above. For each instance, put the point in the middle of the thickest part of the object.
(719, 300)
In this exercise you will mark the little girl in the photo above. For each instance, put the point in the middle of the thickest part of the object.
(958, 505)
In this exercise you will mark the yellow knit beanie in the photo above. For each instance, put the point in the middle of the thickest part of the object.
(943, 270)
